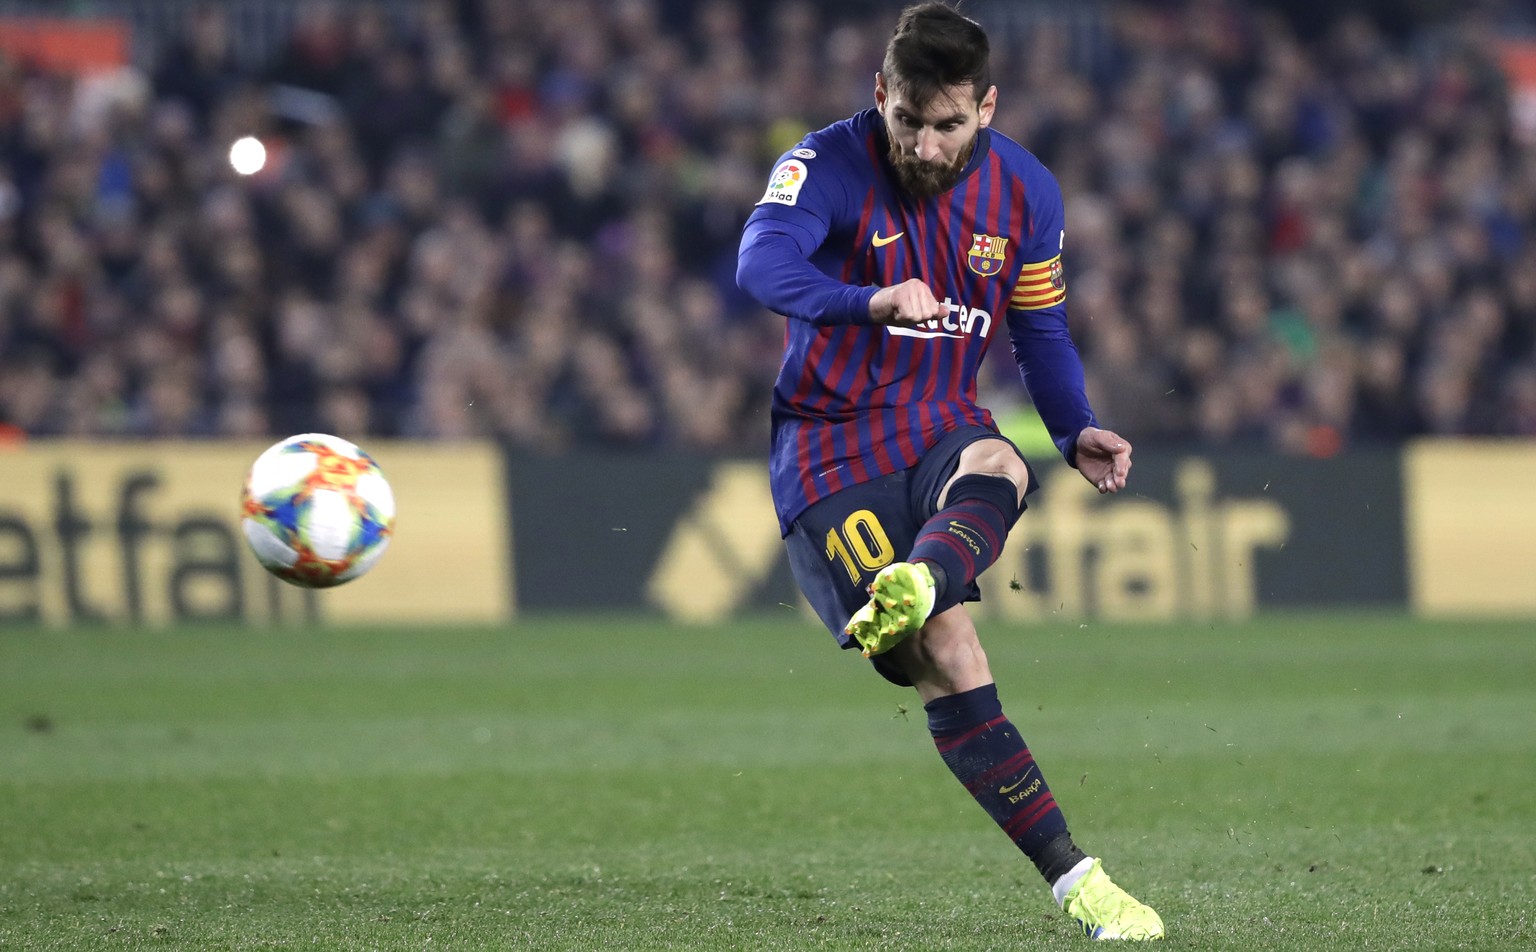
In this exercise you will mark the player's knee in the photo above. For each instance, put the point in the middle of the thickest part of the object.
(990, 456)
(995, 459)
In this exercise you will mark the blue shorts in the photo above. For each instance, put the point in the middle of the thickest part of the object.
(838, 545)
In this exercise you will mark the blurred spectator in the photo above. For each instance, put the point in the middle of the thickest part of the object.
(518, 219)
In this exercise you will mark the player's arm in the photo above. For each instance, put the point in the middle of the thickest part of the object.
(806, 197)
(1053, 373)
(773, 265)
(1048, 359)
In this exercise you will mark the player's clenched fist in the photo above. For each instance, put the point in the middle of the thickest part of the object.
(905, 305)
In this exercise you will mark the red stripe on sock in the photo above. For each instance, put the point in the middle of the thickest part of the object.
(947, 744)
(962, 550)
(1015, 766)
(1029, 816)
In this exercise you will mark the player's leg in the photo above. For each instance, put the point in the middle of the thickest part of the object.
(981, 496)
(987, 754)
(835, 548)
(945, 662)
(840, 547)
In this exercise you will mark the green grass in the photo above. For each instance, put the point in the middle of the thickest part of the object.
(1300, 783)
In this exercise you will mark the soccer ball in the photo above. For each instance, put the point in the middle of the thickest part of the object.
(316, 510)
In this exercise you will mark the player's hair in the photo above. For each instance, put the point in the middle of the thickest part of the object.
(935, 48)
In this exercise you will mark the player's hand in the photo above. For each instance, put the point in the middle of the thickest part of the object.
(1104, 459)
(907, 304)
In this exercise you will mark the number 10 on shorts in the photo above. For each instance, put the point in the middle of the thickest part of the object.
(861, 544)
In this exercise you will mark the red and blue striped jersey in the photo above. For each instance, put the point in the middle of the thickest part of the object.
(853, 400)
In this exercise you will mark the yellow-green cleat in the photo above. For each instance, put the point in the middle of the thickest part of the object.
(1105, 911)
(901, 598)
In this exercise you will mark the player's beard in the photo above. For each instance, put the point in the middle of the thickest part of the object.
(927, 179)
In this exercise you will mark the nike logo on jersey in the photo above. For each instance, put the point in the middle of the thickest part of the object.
(879, 242)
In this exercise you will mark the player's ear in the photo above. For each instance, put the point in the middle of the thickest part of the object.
(880, 92)
(988, 106)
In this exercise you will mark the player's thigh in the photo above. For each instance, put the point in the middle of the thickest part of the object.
(838, 545)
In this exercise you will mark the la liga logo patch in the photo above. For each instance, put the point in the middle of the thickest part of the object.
(785, 183)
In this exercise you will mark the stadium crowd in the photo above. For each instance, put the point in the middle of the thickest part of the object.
(519, 218)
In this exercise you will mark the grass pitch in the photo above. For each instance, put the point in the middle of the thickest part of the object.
(1299, 783)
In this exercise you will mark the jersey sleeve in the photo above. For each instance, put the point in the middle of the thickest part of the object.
(1037, 325)
(806, 187)
(806, 198)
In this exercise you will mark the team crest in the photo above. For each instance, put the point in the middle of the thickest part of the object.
(986, 254)
(1058, 277)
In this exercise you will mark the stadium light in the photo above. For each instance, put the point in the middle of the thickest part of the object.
(247, 155)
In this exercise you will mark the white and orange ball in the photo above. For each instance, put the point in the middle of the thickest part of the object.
(317, 510)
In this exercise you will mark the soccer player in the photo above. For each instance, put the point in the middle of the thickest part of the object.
(899, 242)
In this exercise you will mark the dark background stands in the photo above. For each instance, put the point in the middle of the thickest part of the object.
(1305, 228)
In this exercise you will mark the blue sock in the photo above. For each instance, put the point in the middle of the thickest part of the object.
(961, 540)
(984, 751)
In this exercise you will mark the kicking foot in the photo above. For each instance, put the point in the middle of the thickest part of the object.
(901, 599)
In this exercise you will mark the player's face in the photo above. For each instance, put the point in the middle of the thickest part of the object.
(930, 144)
